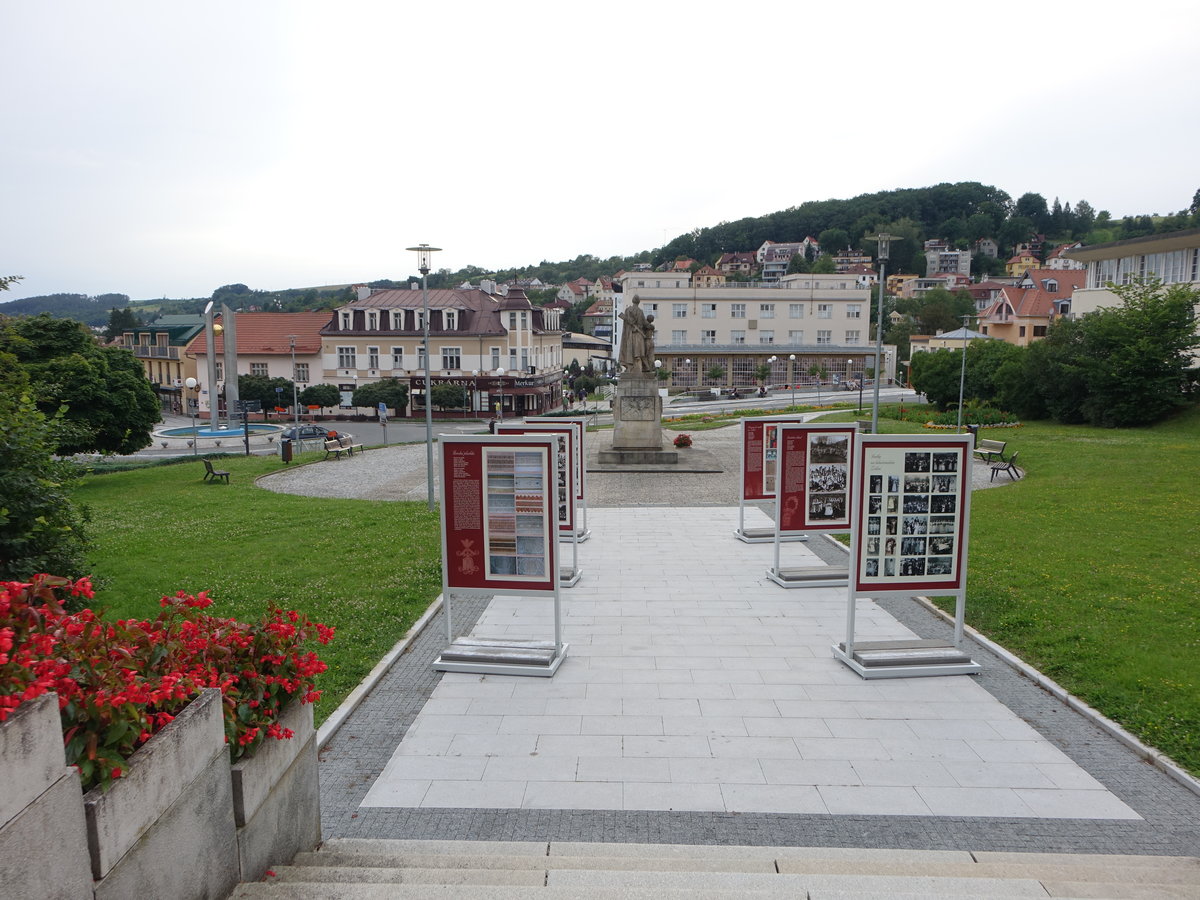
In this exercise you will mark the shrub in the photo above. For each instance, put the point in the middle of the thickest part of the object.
(682, 440)
(118, 683)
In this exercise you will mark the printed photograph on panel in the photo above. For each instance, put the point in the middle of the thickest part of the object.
(945, 484)
(876, 484)
(827, 478)
(831, 507)
(829, 448)
(516, 532)
(945, 462)
(912, 565)
(916, 462)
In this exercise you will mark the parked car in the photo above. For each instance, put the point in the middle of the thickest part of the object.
(309, 433)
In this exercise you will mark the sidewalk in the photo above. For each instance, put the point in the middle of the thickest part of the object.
(700, 703)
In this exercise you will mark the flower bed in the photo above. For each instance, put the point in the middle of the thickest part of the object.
(119, 683)
(682, 440)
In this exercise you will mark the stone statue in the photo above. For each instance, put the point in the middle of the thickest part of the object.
(648, 345)
(632, 354)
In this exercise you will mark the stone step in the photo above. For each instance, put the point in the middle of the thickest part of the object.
(325, 891)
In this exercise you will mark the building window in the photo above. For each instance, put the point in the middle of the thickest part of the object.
(766, 337)
(512, 321)
(649, 308)
(524, 358)
(451, 317)
(347, 357)
(737, 310)
(766, 310)
(495, 358)
(300, 373)
(738, 337)
(708, 337)
(421, 357)
(219, 370)
(795, 310)
(258, 369)
(346, 320)
(1022, 333)
(795, 337)
(853, 310)
(824, 337)
(397, 357)
(372, 357)
(1039, 330)
(397, 320)
(678, 310)
(678, 337)
(824, 310)
(708, 310)
(852, 338)
(373, 320)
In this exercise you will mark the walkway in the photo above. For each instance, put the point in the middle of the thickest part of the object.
(699, 703)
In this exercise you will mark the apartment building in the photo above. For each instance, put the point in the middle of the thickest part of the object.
(821, 320)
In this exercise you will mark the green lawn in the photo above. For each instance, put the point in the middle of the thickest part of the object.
(368, 568)
(1088, 568)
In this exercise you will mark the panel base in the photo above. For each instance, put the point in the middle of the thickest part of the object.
(485, 656)
(810, 576)
(906, 659)
(569, 577)
(764, 536)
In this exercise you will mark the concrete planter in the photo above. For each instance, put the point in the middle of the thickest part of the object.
(43, 845)
(276, 797)
(166, 828)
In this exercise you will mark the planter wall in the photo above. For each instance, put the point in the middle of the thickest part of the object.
(43, 842)
(166, 828)
(276, 797)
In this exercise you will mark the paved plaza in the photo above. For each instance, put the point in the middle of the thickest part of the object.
(700, 703)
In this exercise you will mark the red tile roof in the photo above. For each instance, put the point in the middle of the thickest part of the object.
(263, 333)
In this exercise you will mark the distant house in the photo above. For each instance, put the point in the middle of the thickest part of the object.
(987, 247)
(845, 260)
(941, 259)
(1056, 260)
(774, 258)
(575, 291)
(1021, 262)
(985, 293)
(598, 319)
(1023, 311)
(160, 348)
(947, 340)
(707, 276)
(738, 263)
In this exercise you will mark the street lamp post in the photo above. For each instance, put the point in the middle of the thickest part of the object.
(474, 390)
(424, 252)
(295, 395)
(500, 375)
(884, 246)
(792, 376)
(962, 375)
(193, 385)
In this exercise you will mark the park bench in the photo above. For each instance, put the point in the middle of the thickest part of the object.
(343, 443)
(1009, 466)
(991, 451)
(211, 474)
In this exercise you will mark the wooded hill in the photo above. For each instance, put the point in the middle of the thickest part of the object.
(960, 213)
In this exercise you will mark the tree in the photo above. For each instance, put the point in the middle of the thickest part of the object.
(936, 375)
(321, 395)
(715, 373)
(8, 280)
(823, 265)
(448, 395)
(798, 265)
(820, 373)
(389, 391)
(109, 406)
(834, 239)
(262, 389)
(41, 528)
(1033, 207)
(762, 372)
(120, 320)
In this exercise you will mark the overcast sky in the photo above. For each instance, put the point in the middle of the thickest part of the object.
(165, 149)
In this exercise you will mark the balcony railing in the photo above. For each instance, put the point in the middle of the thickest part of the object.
(147, 351)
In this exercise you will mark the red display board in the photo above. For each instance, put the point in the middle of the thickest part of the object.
(815, 477)
(911, 513)
(760, 456)
(499, 525)
(564, 493)
(578, 469)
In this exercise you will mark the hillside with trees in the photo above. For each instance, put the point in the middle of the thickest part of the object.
(959, 213)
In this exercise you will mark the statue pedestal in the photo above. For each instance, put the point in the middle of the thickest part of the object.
(637, 419)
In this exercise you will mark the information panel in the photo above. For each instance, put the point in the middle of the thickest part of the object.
(760, 456)
(578, 469)
(815, 477)
(912, 507)
(498, 516)
(564, 489)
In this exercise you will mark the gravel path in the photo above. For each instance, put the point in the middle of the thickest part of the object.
(398, 473)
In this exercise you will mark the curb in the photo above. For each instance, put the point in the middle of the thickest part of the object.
(355, 698)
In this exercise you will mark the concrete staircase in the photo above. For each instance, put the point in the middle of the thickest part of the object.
(465, 870)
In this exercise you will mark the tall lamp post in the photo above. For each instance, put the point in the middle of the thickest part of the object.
(424, 253)
(792, 376)
(295, 394)
(193, 403)
(884, 247)
(500, 375)
(962, 375)
(474, 390)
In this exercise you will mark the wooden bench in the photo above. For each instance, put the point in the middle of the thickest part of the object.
(343, 443)
(1010, 467)
(211, 474)
(991, 451)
